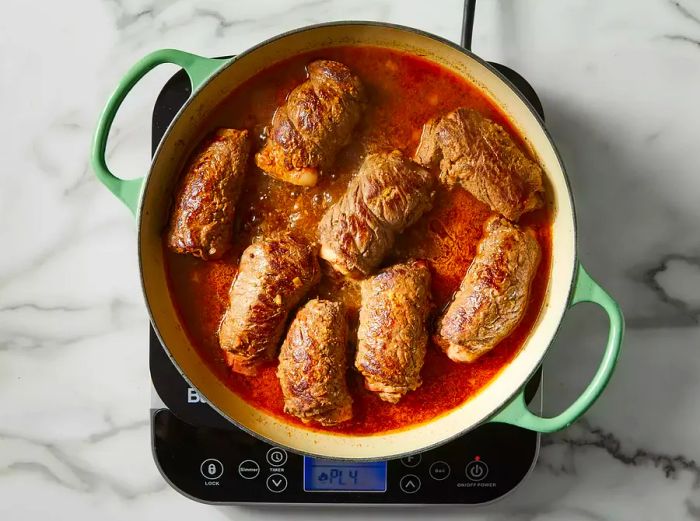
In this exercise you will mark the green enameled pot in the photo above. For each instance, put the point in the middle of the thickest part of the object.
(148, 198)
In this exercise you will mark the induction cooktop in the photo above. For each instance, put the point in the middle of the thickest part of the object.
(207, 458)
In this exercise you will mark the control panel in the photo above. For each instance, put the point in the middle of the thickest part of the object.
(231, 466)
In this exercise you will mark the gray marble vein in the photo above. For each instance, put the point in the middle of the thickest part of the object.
(693, 509)
(587, 436)
(126, 16)
(60, 466)
(684, 313)
(682, 38)
(685, 11)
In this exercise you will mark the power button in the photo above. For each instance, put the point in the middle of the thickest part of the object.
(476, 470)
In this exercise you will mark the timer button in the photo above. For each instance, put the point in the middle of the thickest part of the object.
(411, 461)
(476, 470)
(276, 483)
(211, 468)
(276, 456)
(410, 484)
(439, 470)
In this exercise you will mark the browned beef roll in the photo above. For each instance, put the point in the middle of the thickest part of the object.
(274, 274)
(313, 365)
(388, 194)
(392, 337)
(494, 293)
(201, 222)
(315, 122)
(481, 157)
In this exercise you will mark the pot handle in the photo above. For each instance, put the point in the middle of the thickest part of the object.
(198, 68)
(517, 413)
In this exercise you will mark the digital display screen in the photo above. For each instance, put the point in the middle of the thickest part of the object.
(325, 475)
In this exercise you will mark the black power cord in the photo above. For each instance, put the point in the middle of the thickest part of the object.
(468, 24)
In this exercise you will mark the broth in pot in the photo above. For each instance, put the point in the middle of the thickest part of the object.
(403, 92)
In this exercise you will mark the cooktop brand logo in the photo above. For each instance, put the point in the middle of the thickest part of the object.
(194, 397)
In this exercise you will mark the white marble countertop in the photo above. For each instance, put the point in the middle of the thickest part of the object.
(620, 84)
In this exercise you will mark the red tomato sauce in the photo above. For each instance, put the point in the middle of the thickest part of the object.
(404, 91)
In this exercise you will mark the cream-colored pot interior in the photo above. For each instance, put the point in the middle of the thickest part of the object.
(182, 136)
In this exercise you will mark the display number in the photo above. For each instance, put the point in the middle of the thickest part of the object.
(338, 477)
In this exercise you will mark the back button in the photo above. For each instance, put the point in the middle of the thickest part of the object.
(439, 470)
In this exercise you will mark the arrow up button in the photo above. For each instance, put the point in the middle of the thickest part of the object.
(410, 484)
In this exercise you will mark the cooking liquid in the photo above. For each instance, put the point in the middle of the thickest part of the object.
(404, 92)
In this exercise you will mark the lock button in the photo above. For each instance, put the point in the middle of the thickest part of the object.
(211, 468)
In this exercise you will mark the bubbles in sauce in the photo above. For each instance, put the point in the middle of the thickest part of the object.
(405, 92)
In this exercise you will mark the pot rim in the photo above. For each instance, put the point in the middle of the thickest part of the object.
(351, 24)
